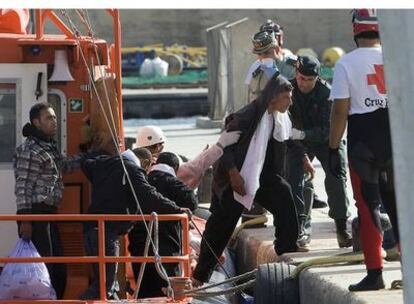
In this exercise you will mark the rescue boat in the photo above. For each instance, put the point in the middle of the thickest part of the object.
(80, 76)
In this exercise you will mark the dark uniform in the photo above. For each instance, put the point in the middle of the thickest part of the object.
(311, 113)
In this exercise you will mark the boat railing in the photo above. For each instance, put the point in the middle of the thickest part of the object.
(101, 258)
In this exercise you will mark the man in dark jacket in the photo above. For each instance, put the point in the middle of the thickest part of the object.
(232, 191)
(112, 194)
(310, 112)
(163, 178)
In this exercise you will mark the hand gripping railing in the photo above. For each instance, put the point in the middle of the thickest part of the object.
(102, 259)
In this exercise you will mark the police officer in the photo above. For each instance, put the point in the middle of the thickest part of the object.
(310, 112)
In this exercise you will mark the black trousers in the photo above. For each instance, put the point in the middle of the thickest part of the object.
(335, 187)
(45, 237)
(152, 283)
(275, 196)
(372, 177)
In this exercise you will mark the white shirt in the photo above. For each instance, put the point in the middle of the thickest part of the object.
(253, 67)
(359, 75)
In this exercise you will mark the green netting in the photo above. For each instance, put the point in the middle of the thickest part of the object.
(326, 73)
(189, 77)
(186, 77)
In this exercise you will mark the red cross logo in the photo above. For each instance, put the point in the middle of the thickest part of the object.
(377, 79)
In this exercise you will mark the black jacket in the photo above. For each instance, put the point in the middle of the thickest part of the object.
(111, 193)
(174, 189)
(169, 232)
(311, 113)
(247, 120)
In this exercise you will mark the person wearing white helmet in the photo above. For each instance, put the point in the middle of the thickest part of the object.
(191, 172)
(360, 103)
(152, 138)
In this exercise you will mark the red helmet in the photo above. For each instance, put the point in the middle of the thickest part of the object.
(364, 20)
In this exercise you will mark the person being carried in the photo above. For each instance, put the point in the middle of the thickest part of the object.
(112, 194)
(248, 171)
(191, 172)
(163, 177)
(267, 49)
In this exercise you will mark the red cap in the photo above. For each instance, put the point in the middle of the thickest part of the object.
(364, 20)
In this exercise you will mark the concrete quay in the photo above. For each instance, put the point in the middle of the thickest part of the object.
(319, 284)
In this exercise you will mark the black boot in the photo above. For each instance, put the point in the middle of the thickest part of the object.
(343, 237)
(373, 281)
(318, 203)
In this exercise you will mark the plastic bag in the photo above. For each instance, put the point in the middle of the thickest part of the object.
(147, 68)
(160, 67)
(27, 281)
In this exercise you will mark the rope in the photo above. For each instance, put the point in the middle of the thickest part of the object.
(144, 264)
(335, 259)
(214, 254)
(87, 20)
(232, 279)
(81, 16)
(158, 265)
(232, 290)
(74, 29)
(160, 269)
(211, 249)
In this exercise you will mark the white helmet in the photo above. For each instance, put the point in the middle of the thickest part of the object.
(148, 136)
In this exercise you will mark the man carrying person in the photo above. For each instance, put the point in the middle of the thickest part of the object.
(112, 194)
(310, 112)
(38, 168)
(247, 171)
(360, 98)
(163, 177)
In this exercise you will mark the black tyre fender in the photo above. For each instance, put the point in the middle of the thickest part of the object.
(274, 285)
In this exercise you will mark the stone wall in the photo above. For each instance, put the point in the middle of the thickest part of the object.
(317, 29)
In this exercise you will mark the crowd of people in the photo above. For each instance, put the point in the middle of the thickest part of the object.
(263, 157)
